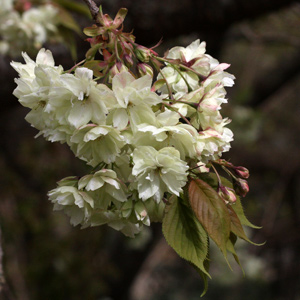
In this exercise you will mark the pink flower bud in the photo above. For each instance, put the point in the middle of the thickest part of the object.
(225, 163)
(227, 194)
(241, 172)
(128, 60)
(145, 69)
(27, 5)
(241, 187)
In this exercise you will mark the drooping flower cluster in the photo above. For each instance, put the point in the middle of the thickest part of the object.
(145, 137)
(154, 140)
(137, 136)
(25, 26)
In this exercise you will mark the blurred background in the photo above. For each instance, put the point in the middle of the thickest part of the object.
(44, 257)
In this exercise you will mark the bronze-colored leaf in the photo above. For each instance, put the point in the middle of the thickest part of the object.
(211, 212)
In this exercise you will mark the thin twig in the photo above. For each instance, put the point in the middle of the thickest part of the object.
(93, 8)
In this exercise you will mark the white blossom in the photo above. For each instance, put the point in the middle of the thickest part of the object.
(76, 204)
(134, 100)
(27, 30)
(97, 143)
(140, 143)
(158, 171)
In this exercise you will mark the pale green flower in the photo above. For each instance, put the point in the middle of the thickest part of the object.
(78, 100)
(218, 76)
(134, 100)
(76, 204)
(158, 172)
(97, 143)
(104, 188)
(194, 50)
(127, 218)
(194, 54)
(131, 91)
(211, 72)
(28, 30)
(181, 136)
(176, 82)
(48, 125)
(36, 81)
(43, 58)
(39, 22)
(94, 199)
(211, 144)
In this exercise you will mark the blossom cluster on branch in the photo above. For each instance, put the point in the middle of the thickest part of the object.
(26, 25)
(151, 129)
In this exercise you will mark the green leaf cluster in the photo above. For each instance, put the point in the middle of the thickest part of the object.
(199, 215)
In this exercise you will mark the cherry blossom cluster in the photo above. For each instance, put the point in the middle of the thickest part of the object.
(142, 141)
(24, 26)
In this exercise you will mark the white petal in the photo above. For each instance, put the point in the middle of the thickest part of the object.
(80, 114)
(45, 57)
(120, 118)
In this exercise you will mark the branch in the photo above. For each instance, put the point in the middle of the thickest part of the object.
(93, 8)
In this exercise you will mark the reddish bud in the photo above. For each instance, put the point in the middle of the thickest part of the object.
(241, 187)
(27, 5)
(128, 60)
(225, 163)
(241, 172)
(145, 69)
(227, 194)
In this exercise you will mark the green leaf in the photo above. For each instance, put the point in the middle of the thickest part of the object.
(237, 228)
(238, 208)
(67, 20)
(93, 30)
(205, 277)
(230, 248)
(119, 19)
(211, 212)
(75, 6)
(90, 54)
(185, 234)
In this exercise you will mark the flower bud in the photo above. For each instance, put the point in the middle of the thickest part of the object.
(227, 194)
(225, 163)
(142, 53)
(128, 60)
(23, 5)
(145, 69)
(241, 187)
(118, 68)
(241, 172)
